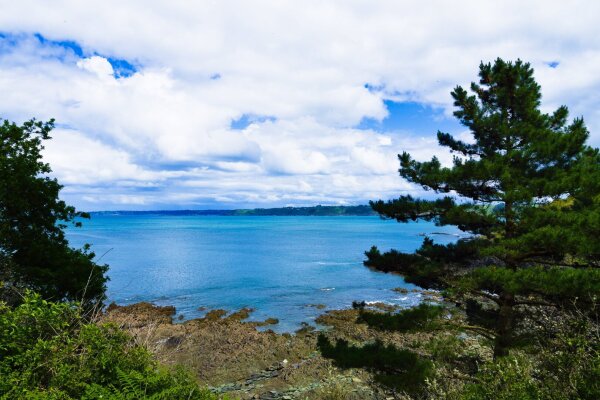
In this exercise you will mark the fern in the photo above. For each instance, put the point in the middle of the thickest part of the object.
(48, 351)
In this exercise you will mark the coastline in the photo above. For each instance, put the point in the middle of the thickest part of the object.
(247, 360)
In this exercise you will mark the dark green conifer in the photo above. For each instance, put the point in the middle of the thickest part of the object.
(527, 189)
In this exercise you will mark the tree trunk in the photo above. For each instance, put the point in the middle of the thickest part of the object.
(504, 328)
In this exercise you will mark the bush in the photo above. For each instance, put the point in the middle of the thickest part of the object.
(568, 369)
(424, 317)
(393, 367)
(48, 351)
(508, 378)
(445, 348)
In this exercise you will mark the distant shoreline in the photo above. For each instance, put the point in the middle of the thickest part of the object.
(317, 211)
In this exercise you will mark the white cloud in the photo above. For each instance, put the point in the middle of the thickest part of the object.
(80, 160)
(97, 65)
(162, 136)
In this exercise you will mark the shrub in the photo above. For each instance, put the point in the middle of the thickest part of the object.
(397, 368)
(569, 368)
(48, 351)
(508, 378)
(423, 317)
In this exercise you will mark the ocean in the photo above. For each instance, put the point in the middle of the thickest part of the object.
(278, 265)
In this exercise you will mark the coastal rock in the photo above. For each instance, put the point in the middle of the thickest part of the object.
(140, 314)
(214, 315)
(317, 306)
(173, 341)
(220, 349)
(266, 322)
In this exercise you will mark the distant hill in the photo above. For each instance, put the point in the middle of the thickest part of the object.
(310, 211)
(317, 211)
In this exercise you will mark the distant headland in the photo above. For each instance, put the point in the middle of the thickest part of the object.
(316, 211)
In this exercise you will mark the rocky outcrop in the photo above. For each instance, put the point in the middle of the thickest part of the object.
(233, 357)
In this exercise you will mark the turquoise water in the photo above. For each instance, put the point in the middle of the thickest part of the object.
(276, 265)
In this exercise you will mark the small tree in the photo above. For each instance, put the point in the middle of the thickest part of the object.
(527, 189)
(33, 219)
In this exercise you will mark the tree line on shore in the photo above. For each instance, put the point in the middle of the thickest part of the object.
(315, 211)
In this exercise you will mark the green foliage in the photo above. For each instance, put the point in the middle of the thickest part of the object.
(554, 283)
(11, 284)
(518, 173)
(526, 187)
(413, 267)
(48, 351)
(33, 219)
(398, 368)
(445, 348)
(160, 385)
(570, 361)
(566, 367)
(430, 267)
(336, 391)
(507, 379)
(570, 369)
(481, 314)
(423, 317)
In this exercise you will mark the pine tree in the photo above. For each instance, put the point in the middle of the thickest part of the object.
(527, 189)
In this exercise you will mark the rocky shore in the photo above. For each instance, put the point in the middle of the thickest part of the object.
(233, 357)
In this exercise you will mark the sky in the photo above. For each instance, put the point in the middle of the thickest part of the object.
(232, 104)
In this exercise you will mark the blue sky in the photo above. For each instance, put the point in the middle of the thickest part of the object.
(409, 116)
(258, 104)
